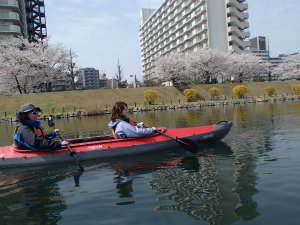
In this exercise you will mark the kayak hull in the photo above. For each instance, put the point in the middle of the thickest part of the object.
(107, 147)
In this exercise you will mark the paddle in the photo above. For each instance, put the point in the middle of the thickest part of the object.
(185, 143)
(73, 154)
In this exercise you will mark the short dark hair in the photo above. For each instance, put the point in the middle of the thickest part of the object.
(23, 116)
(117, 110)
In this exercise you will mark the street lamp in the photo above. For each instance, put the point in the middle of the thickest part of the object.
(134, 83)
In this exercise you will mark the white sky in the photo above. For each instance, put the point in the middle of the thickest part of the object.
(105, 31)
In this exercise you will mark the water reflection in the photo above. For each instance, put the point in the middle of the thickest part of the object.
(241, 113)
(31, 196)
(217, 185)
(209, 190)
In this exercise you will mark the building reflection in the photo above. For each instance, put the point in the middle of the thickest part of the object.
(211, 191)
(215, 185)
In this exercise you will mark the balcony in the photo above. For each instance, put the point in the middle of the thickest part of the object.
(231, 11)
(11, 16)
(12, 4)
(237, 49)
(238, 32)
(236, 4)
(240, 24)
(10, 29)
(236, 41)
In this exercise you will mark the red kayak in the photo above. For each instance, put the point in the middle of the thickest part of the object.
(106, 146)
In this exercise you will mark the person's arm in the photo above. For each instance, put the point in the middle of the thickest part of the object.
(28, 136)
(50, 135)
(124, 130)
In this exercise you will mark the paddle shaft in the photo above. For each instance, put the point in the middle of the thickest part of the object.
(175, 139)
(73, 154)
(191, 146)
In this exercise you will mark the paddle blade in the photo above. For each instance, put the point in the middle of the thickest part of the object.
(188, 144)
(50, 121)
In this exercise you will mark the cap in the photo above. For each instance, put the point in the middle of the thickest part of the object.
(29, 107)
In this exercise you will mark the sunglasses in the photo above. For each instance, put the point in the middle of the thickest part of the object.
(34, 113)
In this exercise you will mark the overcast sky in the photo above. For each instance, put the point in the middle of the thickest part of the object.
(105, 31)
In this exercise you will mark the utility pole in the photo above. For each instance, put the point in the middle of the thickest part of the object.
(269, 61)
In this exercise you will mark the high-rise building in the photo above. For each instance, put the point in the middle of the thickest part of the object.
(260, 47)
(188, 25)
(23, 18)
(91, 79)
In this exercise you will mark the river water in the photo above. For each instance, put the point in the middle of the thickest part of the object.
(250, 177)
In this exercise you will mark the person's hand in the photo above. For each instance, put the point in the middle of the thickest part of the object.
(142, 124)
(154, 128)
(64, 143)
(56, 131)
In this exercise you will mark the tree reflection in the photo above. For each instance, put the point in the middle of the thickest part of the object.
(207, 191)
(31, 196)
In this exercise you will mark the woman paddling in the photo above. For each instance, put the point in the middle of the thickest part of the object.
(30, 135)
(124, 127)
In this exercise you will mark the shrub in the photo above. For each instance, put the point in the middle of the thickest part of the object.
(214, 92)
(270, 90)
(150, 96)
(240, 90)
(190, 94)
(296, 88)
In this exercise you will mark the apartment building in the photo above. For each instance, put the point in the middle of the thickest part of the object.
(188, 25)
(259, 46)
(24, 18)
(91, 79)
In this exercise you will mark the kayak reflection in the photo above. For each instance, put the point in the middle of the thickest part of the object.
(127, 171)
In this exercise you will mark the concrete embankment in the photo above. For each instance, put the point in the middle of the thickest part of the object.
(166, 107)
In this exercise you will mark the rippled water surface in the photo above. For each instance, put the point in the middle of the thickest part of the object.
(250, 177)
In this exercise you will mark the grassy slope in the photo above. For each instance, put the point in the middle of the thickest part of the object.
(99, 100)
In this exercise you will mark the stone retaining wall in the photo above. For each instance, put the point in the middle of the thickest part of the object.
(169, 107)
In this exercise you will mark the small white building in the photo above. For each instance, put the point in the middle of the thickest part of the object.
(167, 84)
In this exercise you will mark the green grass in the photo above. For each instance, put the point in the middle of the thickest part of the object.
(93, 101)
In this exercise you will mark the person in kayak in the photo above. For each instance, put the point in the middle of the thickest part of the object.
(124, 127)
(30, 135)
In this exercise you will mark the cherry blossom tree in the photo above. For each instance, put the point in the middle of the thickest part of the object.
(29, 66)
(206, 63)
(51, 63)
(13, 57)
(289, 68)
(72, 70)
(169, 67)
(243, 66)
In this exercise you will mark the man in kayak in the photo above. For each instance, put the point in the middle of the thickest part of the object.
(124, 127)
(30, 135)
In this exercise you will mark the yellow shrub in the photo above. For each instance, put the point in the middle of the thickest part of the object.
(190, 94)
(270, 90)
(150, 96)
(214, 92)
(296, 88)
(240, 90)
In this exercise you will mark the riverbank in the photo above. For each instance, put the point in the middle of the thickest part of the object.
(162, 107)
(95, 102)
